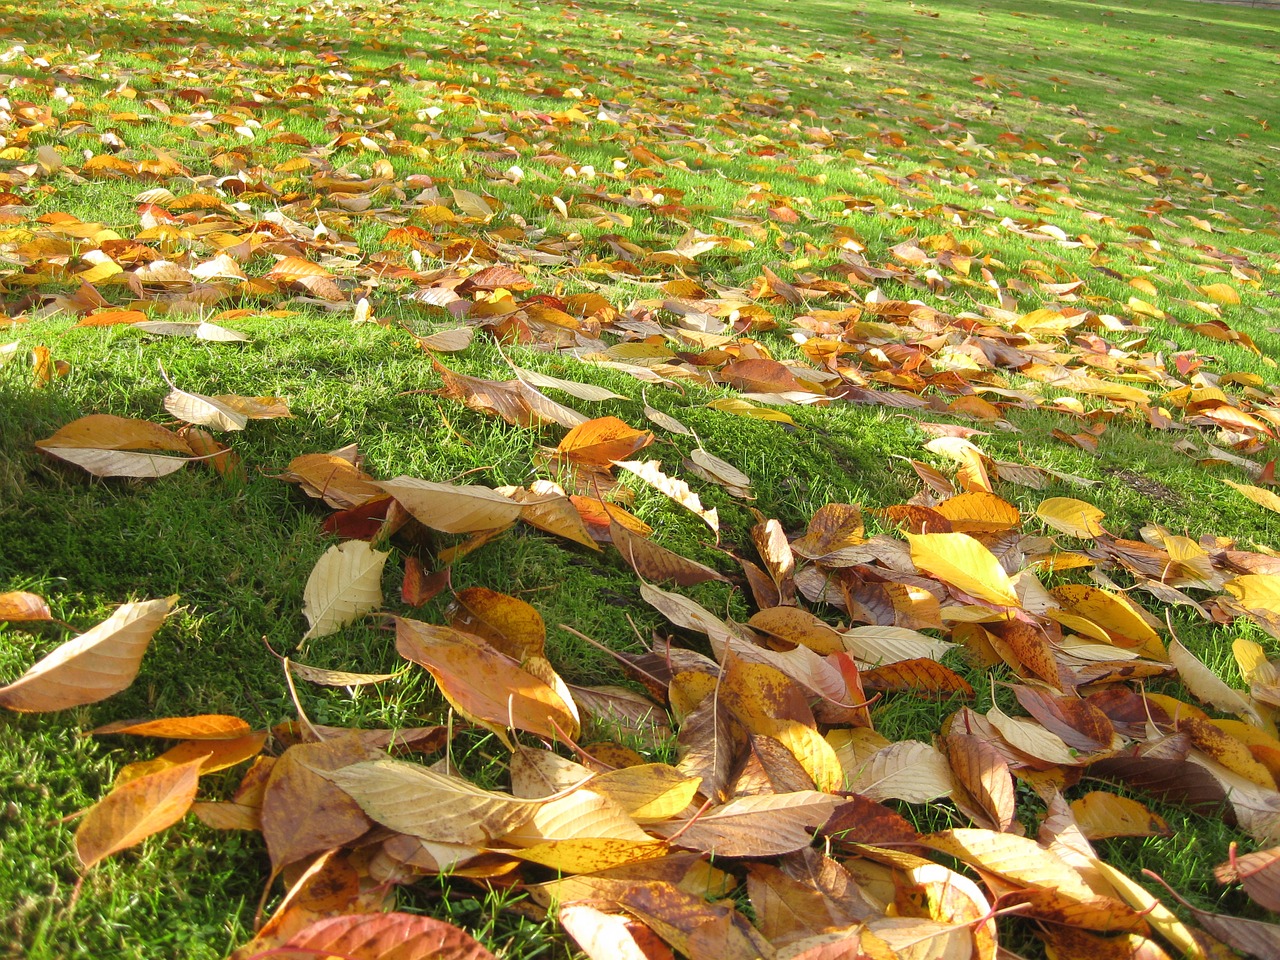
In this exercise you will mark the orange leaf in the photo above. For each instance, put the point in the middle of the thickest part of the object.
(131, 813)
(603, 441)
(22, 607)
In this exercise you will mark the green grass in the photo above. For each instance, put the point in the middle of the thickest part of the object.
(862, 123)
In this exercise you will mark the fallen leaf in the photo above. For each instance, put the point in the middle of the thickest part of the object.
(22, 607)
(98, 663)
(132, 812)
(961, 561)
(453, 508)
(344, 585)
(383, 936)
(763, 826)
(1102, 815)
(411, 799)
(483, 684)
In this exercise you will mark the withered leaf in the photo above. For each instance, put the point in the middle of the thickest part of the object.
(652, 561)
(304, 813)
(1103, 815)
(411, 799)
(483, 684)
(344, 585)
(453, 508)
(134, 811)
(384, 936)
(761, 826)
(984, 785)
(20, 606)
(93, 666)
(922, 676)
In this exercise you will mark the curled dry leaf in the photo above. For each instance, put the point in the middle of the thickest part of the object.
(204, 411)
(345, 584)
(611, 936)
(651, 473)
(332, 478)
(98, 663)
(583, 391)
(1258, 872)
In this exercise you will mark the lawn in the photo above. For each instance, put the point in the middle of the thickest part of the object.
(894, 256)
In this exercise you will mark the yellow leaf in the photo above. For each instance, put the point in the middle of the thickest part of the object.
(1259, 495)
(590, 854)
(651, 791)
(742, 408)
(962, 562)
(1101, 815)
(1073, 517)
(1221, 293)
(1155, 913)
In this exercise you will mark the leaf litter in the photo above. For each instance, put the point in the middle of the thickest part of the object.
(775, 745)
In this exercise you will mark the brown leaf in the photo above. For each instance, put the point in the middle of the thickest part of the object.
(775, 552)
(861, 820)
(761, 826)
(787, 910)
(302, 812)
(984, 783)
(514, 400)
(134, 811)
(1258, 872)
(419, 586)
(98, 663)
(652, 561)
(920, 676)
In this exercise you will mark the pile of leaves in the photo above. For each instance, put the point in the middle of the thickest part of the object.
(779, 785)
